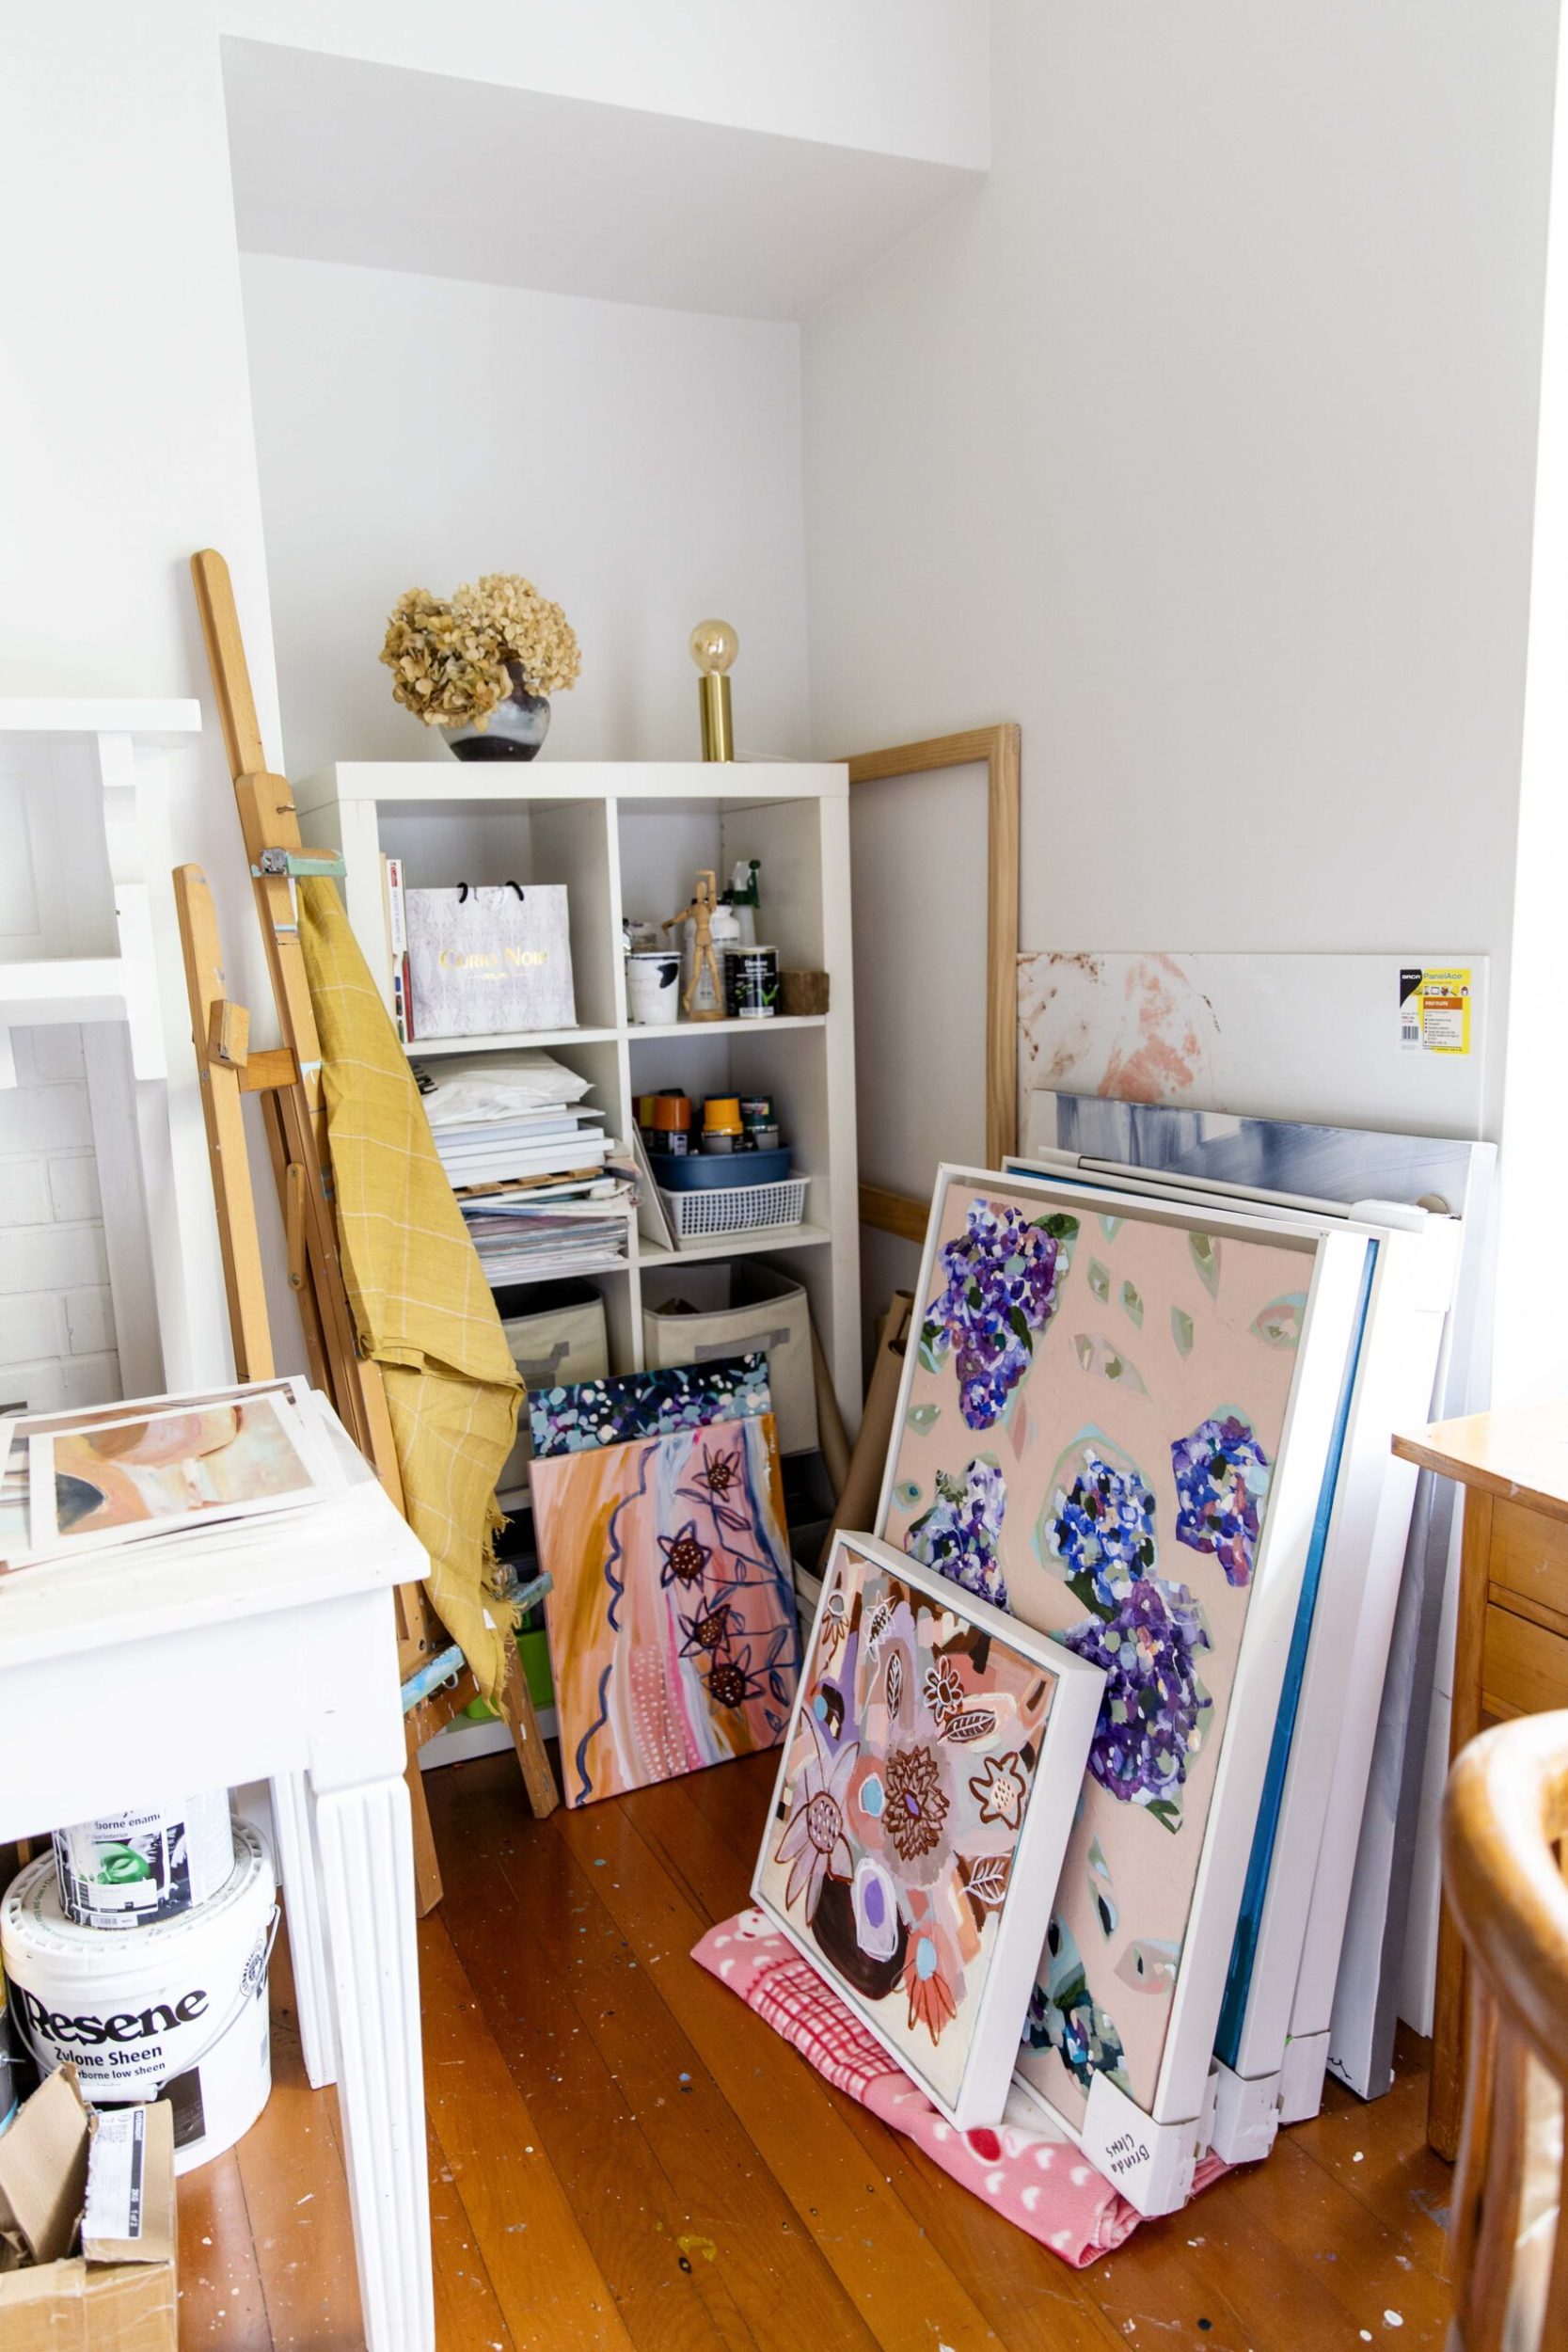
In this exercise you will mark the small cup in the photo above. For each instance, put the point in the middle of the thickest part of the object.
(653, 987)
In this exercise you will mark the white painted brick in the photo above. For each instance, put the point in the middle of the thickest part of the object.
(39, 1387)
(24, 1193)
(91, 1380)
(52, 1257)
(74, 1192)
(89, 1322)
(57, 1051)
(44, 1118)
(30, 1328)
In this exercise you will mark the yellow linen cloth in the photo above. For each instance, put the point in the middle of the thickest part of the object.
(422, 1306)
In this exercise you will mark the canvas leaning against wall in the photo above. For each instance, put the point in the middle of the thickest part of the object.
(923, 1804)
(672, 1615)
(1095, 1422)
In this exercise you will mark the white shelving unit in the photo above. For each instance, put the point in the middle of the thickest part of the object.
(628, 839)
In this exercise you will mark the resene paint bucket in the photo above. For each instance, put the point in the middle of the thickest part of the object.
(132, 1869)
(176, 2012)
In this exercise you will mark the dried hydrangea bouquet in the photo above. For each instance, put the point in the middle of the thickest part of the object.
(481, 663)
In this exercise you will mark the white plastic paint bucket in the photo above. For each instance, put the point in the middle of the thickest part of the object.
(177, 2011)
(132, 1869)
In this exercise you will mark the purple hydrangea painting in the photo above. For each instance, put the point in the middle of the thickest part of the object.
(1101, 1529)
(1222, 1476)
(1123, 1512)
(1155, 1710)
(1002, 1282)
(959, 1534)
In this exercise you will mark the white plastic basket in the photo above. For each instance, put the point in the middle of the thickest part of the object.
(735, 1209)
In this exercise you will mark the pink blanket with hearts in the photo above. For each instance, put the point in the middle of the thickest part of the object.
(1033, 2176)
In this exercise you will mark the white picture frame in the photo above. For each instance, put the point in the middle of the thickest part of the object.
(1041, 1837)
(1333, 1265)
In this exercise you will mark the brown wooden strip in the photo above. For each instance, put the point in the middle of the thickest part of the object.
(468, 2310)
(221, 2301)
(895, 2276)
(296, 2196)
(521, 1960)
(741, 2218)
(543, 2279)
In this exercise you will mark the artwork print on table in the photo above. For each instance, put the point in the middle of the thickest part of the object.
(672, 1615)
(1089, 1438)
(916, 1773)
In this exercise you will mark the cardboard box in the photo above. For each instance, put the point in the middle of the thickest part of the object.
(87, 2239)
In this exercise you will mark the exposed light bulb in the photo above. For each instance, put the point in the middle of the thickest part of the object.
(714, 646)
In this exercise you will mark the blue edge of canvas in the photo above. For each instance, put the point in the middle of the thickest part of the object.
(1238, 1981)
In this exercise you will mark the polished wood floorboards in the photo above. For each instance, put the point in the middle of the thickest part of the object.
(621, 2155)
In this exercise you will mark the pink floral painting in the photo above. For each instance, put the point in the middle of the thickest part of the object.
(672, 1613)
(1089, 1436)
(905, 1802)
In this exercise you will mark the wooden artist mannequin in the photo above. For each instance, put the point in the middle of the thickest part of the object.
(700, 914)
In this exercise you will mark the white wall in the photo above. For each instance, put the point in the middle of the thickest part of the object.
(904, 77)
(125, 436)
(1532, 1274)
(641, 467)
(1200, 441)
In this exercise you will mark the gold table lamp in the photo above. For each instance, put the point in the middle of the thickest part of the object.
(714, 646)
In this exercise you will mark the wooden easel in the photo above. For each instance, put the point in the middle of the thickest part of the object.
(288, 1080)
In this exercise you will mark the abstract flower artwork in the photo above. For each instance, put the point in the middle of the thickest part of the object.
(921, 1814)
(672, 1613)
(1131, 1373)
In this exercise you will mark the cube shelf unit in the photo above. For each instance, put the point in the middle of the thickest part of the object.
(628, 839)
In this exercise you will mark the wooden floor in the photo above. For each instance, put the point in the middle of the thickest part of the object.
(621, 2154)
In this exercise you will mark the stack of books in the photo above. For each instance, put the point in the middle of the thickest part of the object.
(529, 1164)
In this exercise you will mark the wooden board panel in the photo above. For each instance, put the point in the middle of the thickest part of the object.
(1530, 1559)
(1523, 1667)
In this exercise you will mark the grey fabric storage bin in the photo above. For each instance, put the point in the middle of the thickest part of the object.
(558, 1335)
(738, 1308)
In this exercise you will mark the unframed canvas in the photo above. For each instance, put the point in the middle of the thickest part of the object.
(1110, 1425)
(672, 1615)
(923, 1802)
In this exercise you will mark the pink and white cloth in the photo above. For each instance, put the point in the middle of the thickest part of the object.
(1033, 2175)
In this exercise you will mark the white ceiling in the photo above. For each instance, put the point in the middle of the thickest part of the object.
(339, 159)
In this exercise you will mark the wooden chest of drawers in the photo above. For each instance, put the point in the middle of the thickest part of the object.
(1510, 1652)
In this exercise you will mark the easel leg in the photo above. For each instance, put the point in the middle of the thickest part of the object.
(522, 1723)
(427, 1869)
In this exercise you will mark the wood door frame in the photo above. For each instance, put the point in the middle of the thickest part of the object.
(999, 749)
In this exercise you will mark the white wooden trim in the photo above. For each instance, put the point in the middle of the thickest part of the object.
(97, 715)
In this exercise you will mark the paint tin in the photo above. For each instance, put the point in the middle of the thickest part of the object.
(132, 1869)
(176, 2012)
(760, 1121)
(751, 983)
(653, 987)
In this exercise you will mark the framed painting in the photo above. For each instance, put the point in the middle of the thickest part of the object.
(672, 1613)
(582, 1415)
(923, 1806)
(1115, 1423)
(1344, 1726)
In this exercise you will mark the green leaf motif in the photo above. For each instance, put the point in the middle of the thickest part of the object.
(1100, 1281)
(1278, 1324)
(922, 1418)
(1132, 1304)
(1110, 1227)
(1206, 1257)
(1103, 1360)
(1181, 1329)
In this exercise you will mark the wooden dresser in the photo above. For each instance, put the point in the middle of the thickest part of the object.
(1511, 1650)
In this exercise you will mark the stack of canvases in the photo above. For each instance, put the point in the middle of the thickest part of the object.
(1143, 1439)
